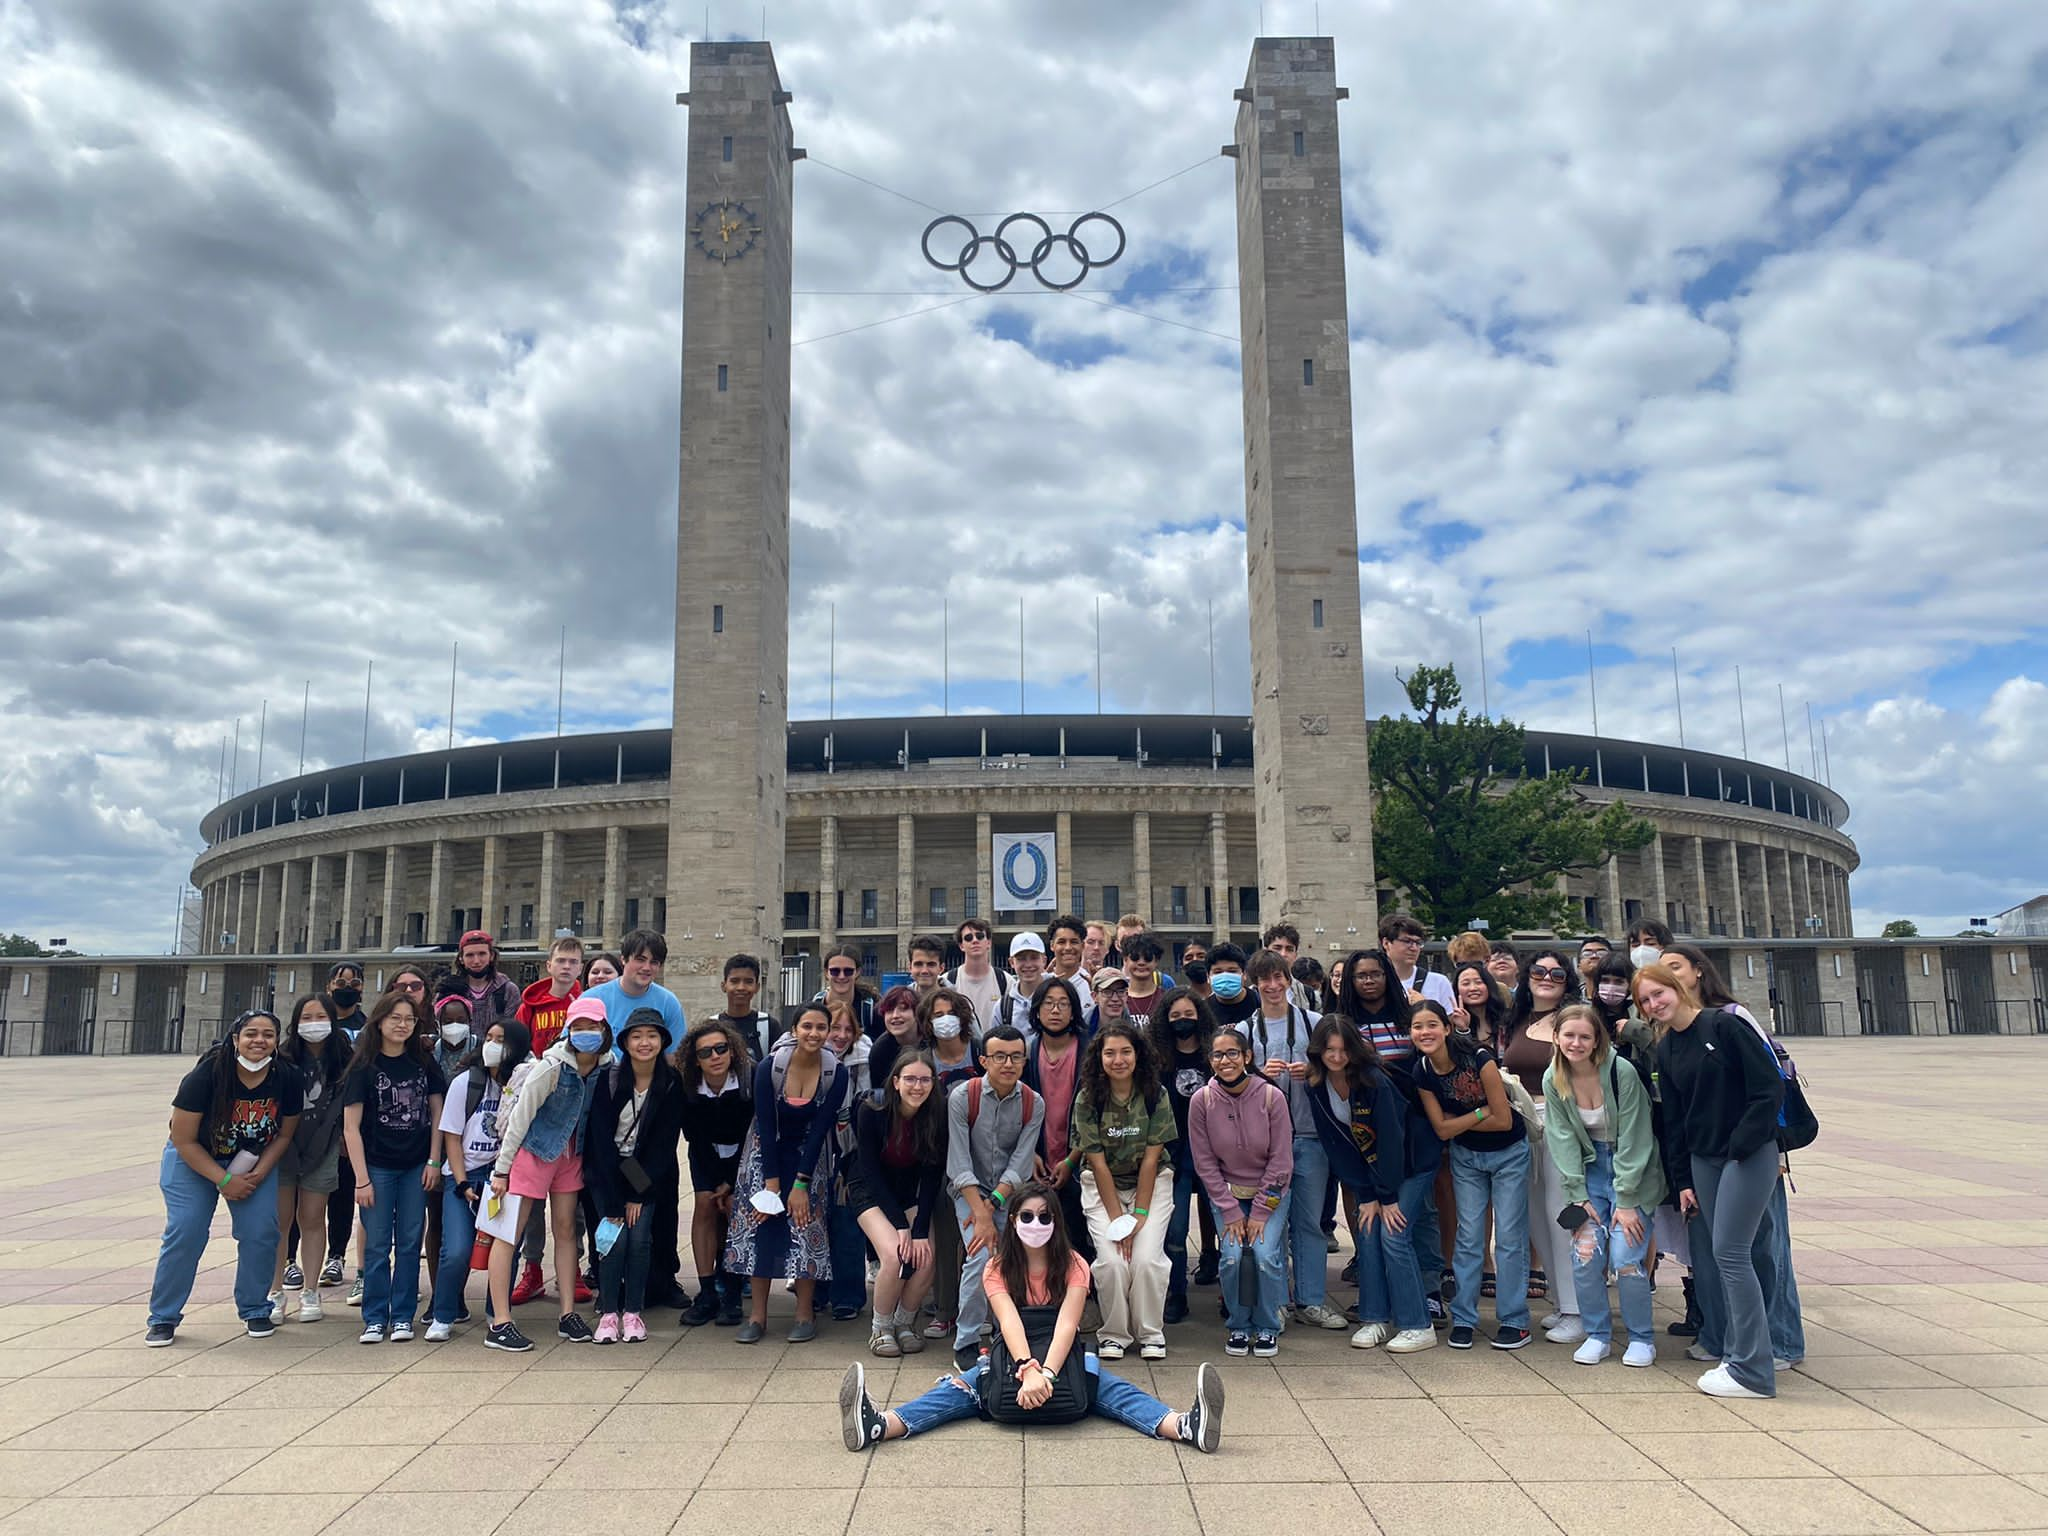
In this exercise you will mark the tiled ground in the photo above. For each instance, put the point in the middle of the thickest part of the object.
(1922, 1229)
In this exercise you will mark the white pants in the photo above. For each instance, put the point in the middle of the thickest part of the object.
(1546, 1199)
(1131, 1293)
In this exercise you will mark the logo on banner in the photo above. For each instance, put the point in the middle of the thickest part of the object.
(1032, 884)
(1024, 870)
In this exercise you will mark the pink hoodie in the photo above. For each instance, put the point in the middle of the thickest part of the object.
(1244, 1139)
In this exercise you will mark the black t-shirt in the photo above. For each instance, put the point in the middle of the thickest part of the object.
(398, 1119)
(254, 1114)
(1462, 1091)
(1184, 1076)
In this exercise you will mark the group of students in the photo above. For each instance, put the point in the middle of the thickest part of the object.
(981, 1156)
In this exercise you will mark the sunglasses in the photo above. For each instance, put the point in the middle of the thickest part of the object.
(715, 1049)
(408, 986)
(840, 971)
(1037, 1216)
(1545, 973)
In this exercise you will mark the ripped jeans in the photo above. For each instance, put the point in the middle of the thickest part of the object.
(1599, 1247)
(958, 1396)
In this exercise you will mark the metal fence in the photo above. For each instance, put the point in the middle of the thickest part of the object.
(1809, 1017)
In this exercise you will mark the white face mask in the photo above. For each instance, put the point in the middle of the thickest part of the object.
(315, 1029)
(1644, 954)
(250, 1066)
(454, 1034)
(1612, 992)
(946, 1027)
(493, 1053)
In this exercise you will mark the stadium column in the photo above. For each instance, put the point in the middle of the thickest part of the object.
(437, 893)
(984, 871)
(828, 885)
(316, 904)
(1141, 863)
(266, 929)
(1795, 914)
(906, 885)
(244, 939)
(351, 904)
(1219, 879)
(1658, 894)
(491, 896)
(1696, 848)
(1312, 790)
(1848, 916)
(1767, 924)
(613, 922)
(729, 764)
(1063, 859)
(289, 913)
(1612, 919)
(544, 899)
(1807, 908)
(1739, 927)
(391, 905)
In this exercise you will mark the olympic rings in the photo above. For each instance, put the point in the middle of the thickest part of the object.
(975, 243)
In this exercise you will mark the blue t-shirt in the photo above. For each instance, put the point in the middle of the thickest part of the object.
(618, 1008)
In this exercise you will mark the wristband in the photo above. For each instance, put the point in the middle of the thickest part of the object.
(224, 1179)
(997, 1196)
(803, 1182)
(1029, 1365)
(1139, 1210)
(364, 1186)
(1479, 1114)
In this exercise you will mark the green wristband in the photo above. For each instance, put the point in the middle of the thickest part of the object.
(224, 1181)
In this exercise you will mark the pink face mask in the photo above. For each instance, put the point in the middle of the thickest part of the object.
(1034, 1234)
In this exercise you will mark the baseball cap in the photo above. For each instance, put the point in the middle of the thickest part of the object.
(585, 1007)
(1026, 944)
(1108, 976)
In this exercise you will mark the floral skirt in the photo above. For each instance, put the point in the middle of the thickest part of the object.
(768, 1247)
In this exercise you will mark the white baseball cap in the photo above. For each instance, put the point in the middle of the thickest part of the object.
(1026, 944)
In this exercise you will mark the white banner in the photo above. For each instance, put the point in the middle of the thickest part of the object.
(1026, 872)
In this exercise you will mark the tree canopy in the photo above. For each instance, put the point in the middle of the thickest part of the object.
(1900, 928)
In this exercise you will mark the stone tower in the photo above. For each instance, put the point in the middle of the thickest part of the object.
(1301, 522)
(725, 832)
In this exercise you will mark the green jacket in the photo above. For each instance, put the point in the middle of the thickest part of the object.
(1638, 1169)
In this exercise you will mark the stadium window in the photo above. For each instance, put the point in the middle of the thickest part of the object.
(1112, 903)
(970, 903)
(938, 904)
(1308, 371)
(869, 908)
(1315, 613)
(728, 148)
(661, 914)
(721, 378)
(796, 909)
(1179, 903)
(1080, 901)
(526, 919)
(576, 917)
(1300, 144)
(718, 618)
(1248, 905)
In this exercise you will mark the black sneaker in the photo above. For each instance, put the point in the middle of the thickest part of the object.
(1461, 1337)
(1349, 1273)
(507, 1336)
(573, 1330)
(1439, 1314)
(1202, 1425)
(1265, 1345)
(702, 1310)
(1447, 1283)
(1237, 1344)
(860, 1425)
(966, 1357)
(160, 1334)
(1510, 1338)
(260, 1327)
(330, 1272)
(294, 1277)
(1176, 1309)
(1205, 1272)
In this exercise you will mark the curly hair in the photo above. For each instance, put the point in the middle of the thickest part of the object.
(1095, 1081)
(1160, 1031)
(961, 1004)
(685, 1055)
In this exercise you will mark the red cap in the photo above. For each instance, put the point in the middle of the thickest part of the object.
(477, 936)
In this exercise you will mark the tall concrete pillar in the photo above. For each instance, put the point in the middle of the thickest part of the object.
(1063, 858)
(1848, 914)
(318, 877)
(437, 893)
(730, 759)
(391, 915)
(1696, 849)
(1219, 878)
(1769, 920)
(492, 896)
(1612, 920)
(1807, 907)
(828, 882)
(1658, 894)
(1312, 790)
(245, 941)
(1794, 926)
(550, 878)
(984, 870)
(618, 844)
(1739, 922)
(906, 886)
(1141, 863)
(352, 893)
(292, 938)
(266, 912)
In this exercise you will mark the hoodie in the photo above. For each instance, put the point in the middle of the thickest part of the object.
(542, 1012)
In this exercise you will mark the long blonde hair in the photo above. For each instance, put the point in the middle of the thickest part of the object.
(1603, 1043)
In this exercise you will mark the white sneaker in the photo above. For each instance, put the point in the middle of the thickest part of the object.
(1718, 1383)
(1568, 1329)
(1639, 1355)
(371, 1335)
(1779, 1362)
(1592, 1352)
(438, 1331)
(309, 1306)
(1411, 1341)
(1152, 1351)
(1698, 1351)
(1320, 1317)
(1109, 1349)
(1371, 1336)
(1550, 1320)
(401, 1333)
(277, 1306)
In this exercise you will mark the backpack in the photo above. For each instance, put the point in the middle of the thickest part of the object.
(502, 1121)
(1798, 1125)
(974, 1100)
(779, 1068)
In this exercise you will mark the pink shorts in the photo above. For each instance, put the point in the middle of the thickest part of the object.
(532, 1179)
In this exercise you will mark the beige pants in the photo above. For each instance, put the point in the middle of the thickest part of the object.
(1131, 1293)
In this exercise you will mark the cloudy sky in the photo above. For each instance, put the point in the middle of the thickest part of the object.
(341, 334)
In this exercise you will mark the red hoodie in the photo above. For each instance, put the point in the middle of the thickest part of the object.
(542, 1012)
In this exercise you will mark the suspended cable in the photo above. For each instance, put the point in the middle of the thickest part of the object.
(1024, 293)
(1146, 314)
(888, 320)
(1162, 181)
(1049, 212)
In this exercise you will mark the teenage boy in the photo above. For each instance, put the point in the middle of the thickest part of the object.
(741, 980)
(1128, 927)
(1094, 949)
(992, 1129)
(1065, 937)
(927, 960)
(1284, 939)
(1142, 953)
(1279, 1033)
(1401, 936)
(976, 977)
(493, 997)
(1027, 963)
(1593, 952)
(1230, 993)
(544, 1005)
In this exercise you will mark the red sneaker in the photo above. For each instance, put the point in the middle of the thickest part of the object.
(583, 1290)
(530, 1285)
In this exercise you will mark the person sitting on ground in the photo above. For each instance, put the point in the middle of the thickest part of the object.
(1035, 1271)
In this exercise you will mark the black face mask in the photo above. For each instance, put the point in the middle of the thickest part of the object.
(478, 973)
(1045, 1027)
(1196, 971)
(1182, 1028)
(346, 997)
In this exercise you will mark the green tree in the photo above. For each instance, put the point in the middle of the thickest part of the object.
(1900, 928)
(1460, 827)
(15, 946)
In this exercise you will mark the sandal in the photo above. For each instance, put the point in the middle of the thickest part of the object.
(1539, 1285)
(1486, 1283)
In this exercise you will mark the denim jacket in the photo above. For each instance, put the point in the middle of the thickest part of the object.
(550, 1112)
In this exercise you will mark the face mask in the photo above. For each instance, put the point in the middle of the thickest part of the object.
(454, 1034)
(1229, 986)
(1644, 954)
(1612, 992)
(1034, 1234)
(1183, 1027)
(494, 1053)
(251, 1066)
(946, 1027)
(347, 997)
(1047, 1025)
(1197, 972)
(315, 1029)
(586, 1042)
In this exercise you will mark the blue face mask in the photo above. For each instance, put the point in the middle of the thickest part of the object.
(587, 1041)
(1227, 985)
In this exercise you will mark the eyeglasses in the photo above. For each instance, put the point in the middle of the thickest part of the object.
(713, 1049)
(920, 1081)
(1037, 1216)
(1227, 1053)
(1545, 973)
(841, 971)
(1405, 938)
(1005, 1058)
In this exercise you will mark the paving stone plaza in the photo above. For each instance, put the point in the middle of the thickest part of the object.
(1921, 1234)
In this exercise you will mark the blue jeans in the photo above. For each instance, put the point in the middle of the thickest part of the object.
(395, 1224)
(1187, 1190)
(973, 1314)
(958, 1397)
(848, 1286)
(1269, 1255)
(1502, 1179)
(1735, 1201)
(189, 1203)
(1425, 1236)
(1389, 1284)
(1305, 1221)
(458, 1237)
(622, 1273)
(1600, 1246)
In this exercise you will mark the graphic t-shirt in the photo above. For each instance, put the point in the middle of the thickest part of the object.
(398, 1115)
(480, 1141)
(1141, 1008)
(1462, 1090)
(1183, 1075)
(254, 1114)
(1079, 1272)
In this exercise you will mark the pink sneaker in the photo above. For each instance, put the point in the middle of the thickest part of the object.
(607, 1329)
(632, 1329)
